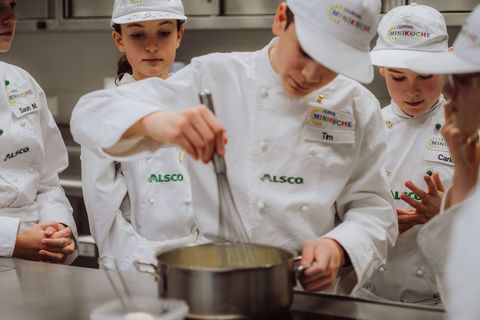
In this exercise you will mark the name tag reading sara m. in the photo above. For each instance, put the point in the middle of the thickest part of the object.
(22, 101)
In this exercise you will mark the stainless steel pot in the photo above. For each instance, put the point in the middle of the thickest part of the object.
(217, 283)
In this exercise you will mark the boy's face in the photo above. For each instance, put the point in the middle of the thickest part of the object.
(414, 93)
(300, 74)
(8, 21)
(464, 92)
(150, 46)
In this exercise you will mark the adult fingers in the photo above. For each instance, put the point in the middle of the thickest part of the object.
(56, 245)
(218, 131)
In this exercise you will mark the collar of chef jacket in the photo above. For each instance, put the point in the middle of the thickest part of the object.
(399, 112)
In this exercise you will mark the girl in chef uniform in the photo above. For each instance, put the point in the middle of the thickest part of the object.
(450, 240)
(36, 221)
(418, 162)
(139, 207)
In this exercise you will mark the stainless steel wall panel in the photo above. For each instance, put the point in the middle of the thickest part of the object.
(34, 9)
(449, 5)
(250, 7)
(88, 8)
(201, 7)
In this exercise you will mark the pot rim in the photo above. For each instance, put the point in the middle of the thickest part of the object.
(224, 269)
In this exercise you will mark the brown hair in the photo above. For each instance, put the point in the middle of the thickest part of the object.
(123, 66)
(290, 17)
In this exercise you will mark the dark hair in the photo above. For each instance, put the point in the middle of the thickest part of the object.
(123, 66)
(290, 17)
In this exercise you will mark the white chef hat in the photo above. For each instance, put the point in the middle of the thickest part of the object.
(408, 32)
(130, 11)
(465, 57)
(337, 33)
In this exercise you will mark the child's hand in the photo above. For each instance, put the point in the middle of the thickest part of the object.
(29, 244)
(58, 239)
(196, 130)
(429, 204)
(408, 219)
(325, 257)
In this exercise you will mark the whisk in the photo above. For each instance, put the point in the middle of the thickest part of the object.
(231, 225)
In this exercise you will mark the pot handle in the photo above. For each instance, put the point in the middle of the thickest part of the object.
(298, 268)
(151, 268)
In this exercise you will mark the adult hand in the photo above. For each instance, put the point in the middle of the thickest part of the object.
(28, 245)
(324, 257)
(408, 219)
(196, 130)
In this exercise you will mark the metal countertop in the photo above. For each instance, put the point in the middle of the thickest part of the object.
(35, 290)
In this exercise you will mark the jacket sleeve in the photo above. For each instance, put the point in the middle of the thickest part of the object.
(449, 243)
(104, 192)
(51, 200)
(100, 119)
(8, 235)
(368, 225)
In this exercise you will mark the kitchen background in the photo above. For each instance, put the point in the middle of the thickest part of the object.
(66, 45)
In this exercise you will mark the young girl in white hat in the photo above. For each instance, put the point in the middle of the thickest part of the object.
(418, 162)
(36, 221)
(136, 208)
(450, 241)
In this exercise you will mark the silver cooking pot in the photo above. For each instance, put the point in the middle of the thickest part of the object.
(217, 282)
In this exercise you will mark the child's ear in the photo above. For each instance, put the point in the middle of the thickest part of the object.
(381, 70)
(118, 40)
(280, 20)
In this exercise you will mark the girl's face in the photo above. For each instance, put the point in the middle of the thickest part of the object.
(8, 20)
(150, 46)
(414, 93)
(464, 92)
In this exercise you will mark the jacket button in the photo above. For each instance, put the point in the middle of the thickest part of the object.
(264, 93)
(312, 151)
(22, 123)
(305, 208)
(420, 273)
(263, 145)
(31, 170)
(151, 201)
(381, 269)
(261, 206)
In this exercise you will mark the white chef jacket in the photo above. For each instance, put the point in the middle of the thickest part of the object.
(415, 147)
(136, 208)
(294, 164)
(450, 243)
(32, 156)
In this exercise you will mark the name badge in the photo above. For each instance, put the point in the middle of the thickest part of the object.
(22, 100)
(439, 157)
(328, 126)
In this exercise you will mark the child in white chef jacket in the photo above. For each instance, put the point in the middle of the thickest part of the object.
(136, 208)
(418, 161)
(305, 145)
(450, 240)
(36, 221)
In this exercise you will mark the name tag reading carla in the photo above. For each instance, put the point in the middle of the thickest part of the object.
(439, 157)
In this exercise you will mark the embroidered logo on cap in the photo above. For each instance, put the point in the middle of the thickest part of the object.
(338, 13)
(406, 31)
(473, 38)
(135, 2)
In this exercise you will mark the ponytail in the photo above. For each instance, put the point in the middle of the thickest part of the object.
(123, 66)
